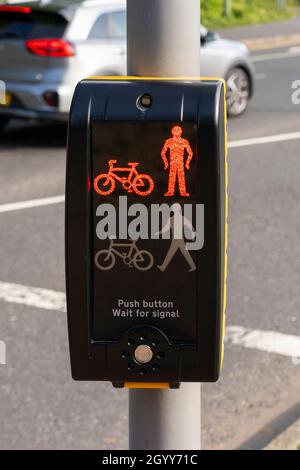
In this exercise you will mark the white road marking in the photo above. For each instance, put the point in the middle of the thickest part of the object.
(264, 140)
(32, 296)
(289, 54)
(46, 201)
(294, 49)
(267, 341)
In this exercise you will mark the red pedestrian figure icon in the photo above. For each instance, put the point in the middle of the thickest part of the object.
(177, 146)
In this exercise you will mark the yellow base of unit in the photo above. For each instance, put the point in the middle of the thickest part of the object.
(146, 385)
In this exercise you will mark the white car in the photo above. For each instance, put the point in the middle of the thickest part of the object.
(47, 48)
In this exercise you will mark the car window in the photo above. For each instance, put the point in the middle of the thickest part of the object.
(99, 29)
(117, 25)
(15, 25)
(109, 26)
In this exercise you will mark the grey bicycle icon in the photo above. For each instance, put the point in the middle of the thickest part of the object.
(128, 252)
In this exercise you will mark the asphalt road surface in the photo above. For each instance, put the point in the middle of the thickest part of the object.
(41, 407)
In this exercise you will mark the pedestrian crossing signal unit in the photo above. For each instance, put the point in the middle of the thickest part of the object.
(146, 230)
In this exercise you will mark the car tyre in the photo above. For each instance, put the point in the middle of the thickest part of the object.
(238, 91)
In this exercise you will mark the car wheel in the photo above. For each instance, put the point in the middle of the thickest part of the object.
(4, 121)
(238, 91)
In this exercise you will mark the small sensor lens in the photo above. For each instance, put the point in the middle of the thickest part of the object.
(145, 101)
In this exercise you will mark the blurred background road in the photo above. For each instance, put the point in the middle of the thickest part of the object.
(40, 406)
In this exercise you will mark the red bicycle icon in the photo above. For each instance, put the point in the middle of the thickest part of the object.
(141, 184)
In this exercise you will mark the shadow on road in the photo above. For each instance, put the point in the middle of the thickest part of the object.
(272, 430)
(45, 135)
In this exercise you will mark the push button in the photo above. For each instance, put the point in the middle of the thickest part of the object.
(143, 354)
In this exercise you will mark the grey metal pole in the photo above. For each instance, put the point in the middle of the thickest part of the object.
(163, 39)
(165, 419)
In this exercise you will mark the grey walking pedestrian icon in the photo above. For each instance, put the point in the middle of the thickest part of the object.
(178, 244)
